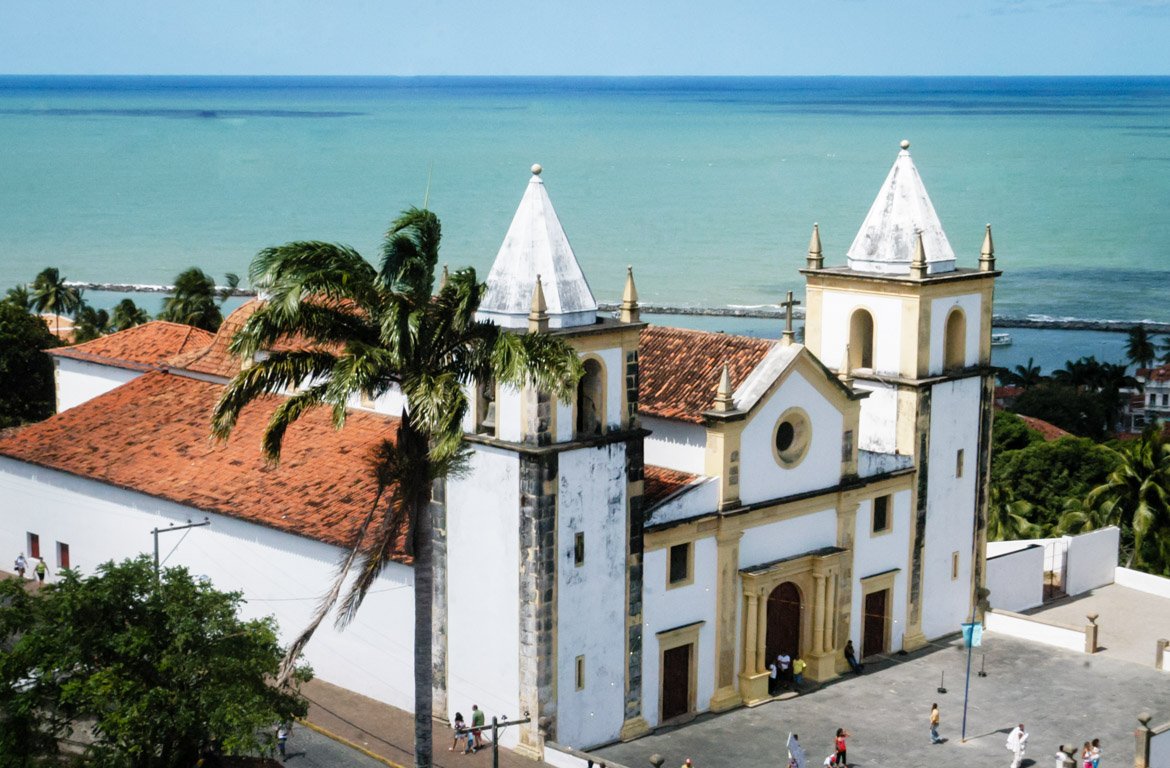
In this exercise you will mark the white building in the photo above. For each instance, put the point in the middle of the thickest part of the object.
(619, 560)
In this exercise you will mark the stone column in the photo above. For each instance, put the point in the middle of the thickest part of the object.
(819, 611)
(761, 633)
(726, 694)
(750, 632)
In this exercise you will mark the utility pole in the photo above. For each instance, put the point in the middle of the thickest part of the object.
(170, 528)
(496, 726)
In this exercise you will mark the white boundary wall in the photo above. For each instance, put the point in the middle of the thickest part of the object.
(1142, 582)
(1016, 579)
(1029, 628)
(1160, 750)
(1091, 559)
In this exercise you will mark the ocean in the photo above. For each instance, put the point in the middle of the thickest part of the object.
(709, 187)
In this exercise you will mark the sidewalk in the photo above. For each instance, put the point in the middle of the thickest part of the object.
(389, 732)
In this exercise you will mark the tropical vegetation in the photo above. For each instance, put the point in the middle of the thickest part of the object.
(51, 293)
(366, 330)
(27, 385)
(196, 300)
(142, 670)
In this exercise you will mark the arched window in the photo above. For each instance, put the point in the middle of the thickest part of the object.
(591, 400)
(861, 340)
(955, 341)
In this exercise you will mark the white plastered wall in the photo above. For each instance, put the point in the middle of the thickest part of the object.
(591, 598)
(950, 516)
(664, 609)
(837, 309)
(761, 477)
(675, 444)
(875, 554)
(878, 422)
(483, 589)
(1015, 579)
(786, 538)
(940, 309)
(79, 381)
(280, 574)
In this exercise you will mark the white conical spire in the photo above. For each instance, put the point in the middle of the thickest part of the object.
(536, 244)
(886, 241)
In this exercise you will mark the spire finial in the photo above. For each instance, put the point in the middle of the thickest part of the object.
(538, 315)
(905, 144)
(629, 308)
(987, 253)
(788, 305)
(536, 169)
(918, 266)
(816, 259)
(723, 399)
(443, 278)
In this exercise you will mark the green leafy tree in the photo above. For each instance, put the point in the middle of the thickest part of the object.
(162, 670)
(127, 314)
(19, 296)
(1136, 498)
(1010, 518)
(1081, 413)
(1023, 376)
(27, 385)
(1140, 348)
(196, 300)
(51, 294)
(1045, 474)
(90, 323)
(367, 330)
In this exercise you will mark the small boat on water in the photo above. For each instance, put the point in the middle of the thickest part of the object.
(1001, 339)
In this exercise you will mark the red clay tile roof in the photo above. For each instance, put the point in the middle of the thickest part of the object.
(152, 436)
(661, 483)
(680, 369)
(1161, 373)
(140, 348)
(214, 359)
(1047, 430)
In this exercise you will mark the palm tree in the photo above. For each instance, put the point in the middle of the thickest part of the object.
(367, 331)
(51, 294)
(194, 300)
(1136, 497)
(1140, 348)
(1022, 376)
(19, 296)
(127, 314)
(1008, 517)
(91, 323)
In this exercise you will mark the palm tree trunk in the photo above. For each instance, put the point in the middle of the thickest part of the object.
(414, 445)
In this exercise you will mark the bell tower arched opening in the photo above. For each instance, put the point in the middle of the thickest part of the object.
(591, 399)
(955, 341)
(861, 339)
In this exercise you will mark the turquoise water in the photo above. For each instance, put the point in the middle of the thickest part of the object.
(709, 187)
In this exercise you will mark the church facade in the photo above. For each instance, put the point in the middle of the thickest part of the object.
(639, 552)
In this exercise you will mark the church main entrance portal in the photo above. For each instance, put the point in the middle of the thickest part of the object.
(873, 640)
(783, 622)
(676, 680)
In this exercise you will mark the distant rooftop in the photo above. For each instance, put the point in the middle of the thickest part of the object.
(140, 348)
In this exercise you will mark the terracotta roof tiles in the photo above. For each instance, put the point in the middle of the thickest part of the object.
(662, 483)
(152, 435)
(214, 359)
(680, 369)
(140, 348)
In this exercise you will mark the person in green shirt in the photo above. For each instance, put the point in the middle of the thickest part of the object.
(477, 723)
(41, 569)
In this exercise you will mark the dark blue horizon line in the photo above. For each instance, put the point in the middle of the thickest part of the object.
(369, 78)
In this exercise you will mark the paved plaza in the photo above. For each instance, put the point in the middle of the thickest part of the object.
(1062, 697)
(1129, 622)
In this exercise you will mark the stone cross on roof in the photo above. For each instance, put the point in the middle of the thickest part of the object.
(788, 306)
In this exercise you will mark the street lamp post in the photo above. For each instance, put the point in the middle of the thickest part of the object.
(156, 531)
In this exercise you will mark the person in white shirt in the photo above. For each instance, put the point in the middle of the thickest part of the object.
(1017, 742)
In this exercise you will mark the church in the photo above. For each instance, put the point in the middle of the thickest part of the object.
(608, 563)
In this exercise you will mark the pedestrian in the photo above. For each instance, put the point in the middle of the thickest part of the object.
(796, 756)
(1017, 742)
(831, 760)
(798, 667)
(688, 763)
(934, 737)
(460, 731)
(1064, 758)
(40, 569)
(773, 679)
(839, 745)
(1096, 753)
(477, 723)
(851, 657)
(281, 739)
(1087, 755)
(21, 565)
(784, 664)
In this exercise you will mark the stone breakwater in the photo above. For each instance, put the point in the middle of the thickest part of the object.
(762, 311)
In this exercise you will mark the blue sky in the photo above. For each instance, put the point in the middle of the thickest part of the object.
(582, 37)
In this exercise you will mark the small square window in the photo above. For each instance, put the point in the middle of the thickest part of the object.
(579, 548)
(680, 564)
(959, 463)
(62, 555)
(881, 514)
(954, 565)
(580, 673)
(34, 545)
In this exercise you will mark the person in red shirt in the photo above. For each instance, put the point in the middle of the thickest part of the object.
(842, 734)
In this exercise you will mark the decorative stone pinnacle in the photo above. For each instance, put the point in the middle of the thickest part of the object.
(905, 144)
(723, 399)
(788, 305)
(443, 278)
(816, 258)
(536, 169)
(629, 309)
(538, 315)
(918, 266)
(987, 252)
